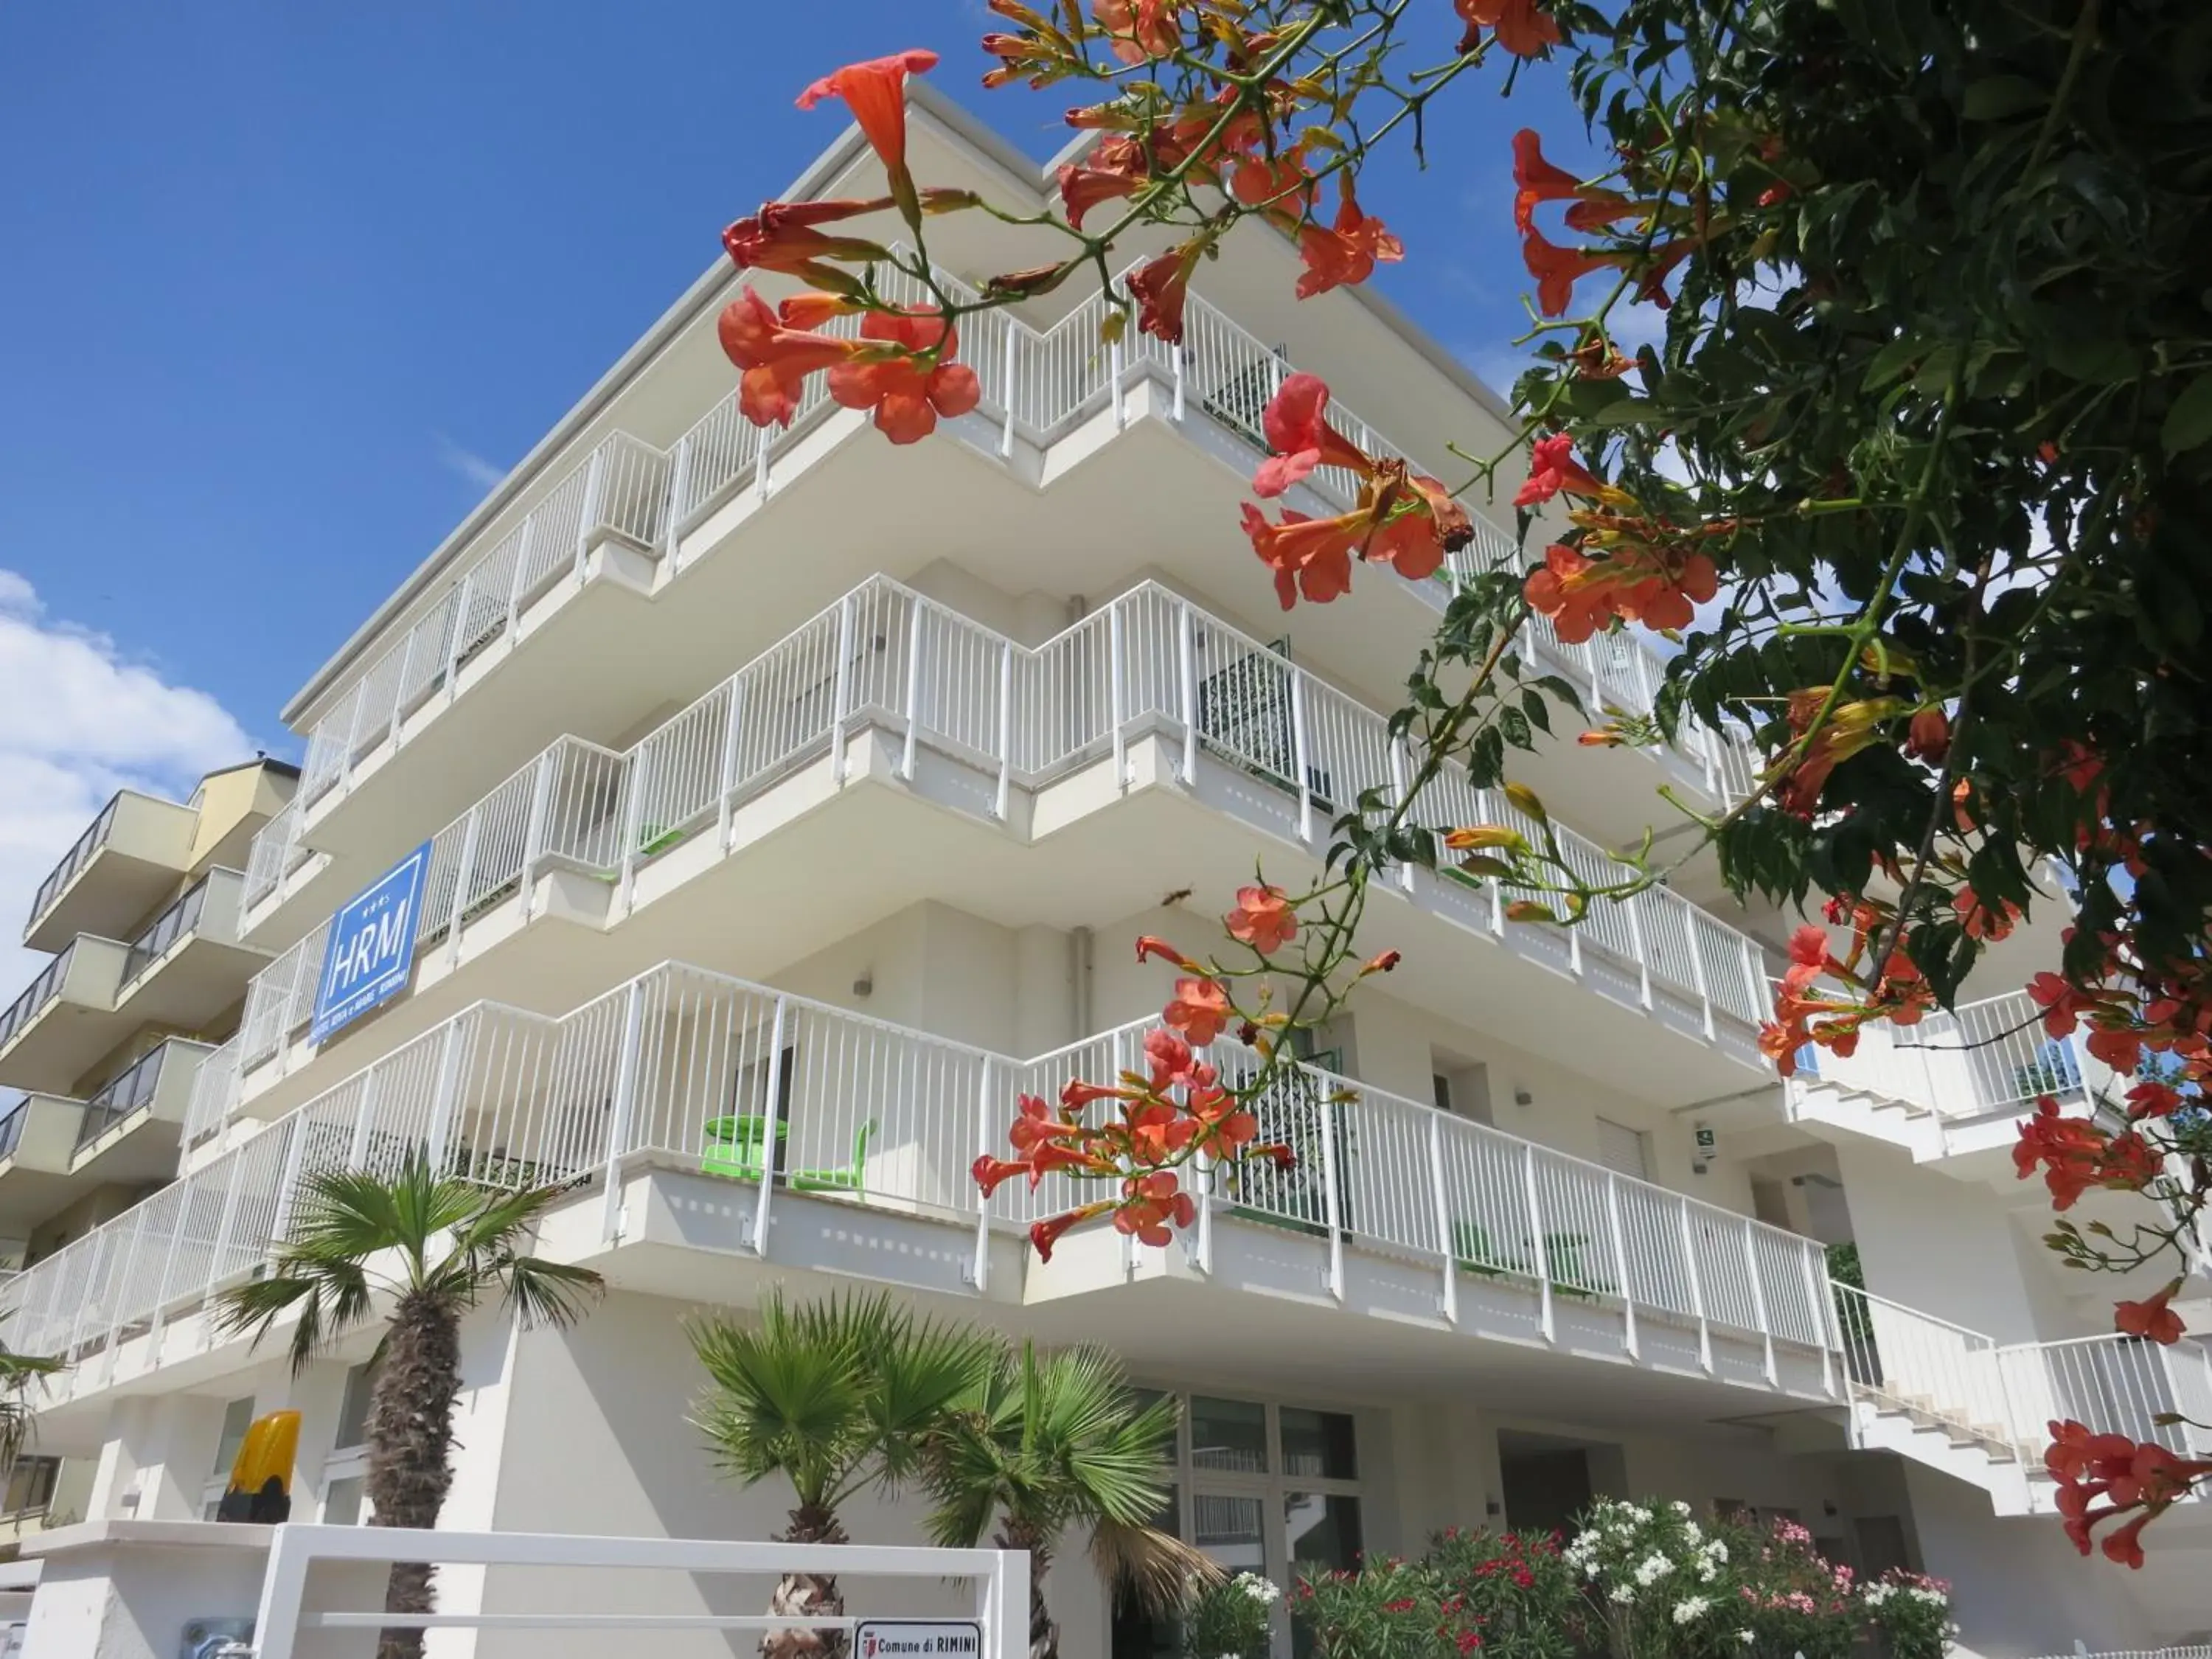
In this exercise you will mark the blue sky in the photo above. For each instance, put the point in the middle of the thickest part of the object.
(289, 285)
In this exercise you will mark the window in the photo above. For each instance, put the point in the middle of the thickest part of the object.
(1228, 1434)
(1318, 1444)
(30, 1484)
(352, 1409)
(1622, 1149)
(1262, 1488)
(341, 1503)
(237, 1419)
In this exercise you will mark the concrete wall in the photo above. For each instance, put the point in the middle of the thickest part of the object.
(1953, 1249)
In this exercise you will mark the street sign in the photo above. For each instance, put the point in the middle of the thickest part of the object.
(372, 949)
(918, 1638)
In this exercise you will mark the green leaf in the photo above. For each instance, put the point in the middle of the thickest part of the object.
(2189, 422)
(2000, 97)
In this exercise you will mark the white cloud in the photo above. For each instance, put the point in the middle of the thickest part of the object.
(483, 474)
(87, 720)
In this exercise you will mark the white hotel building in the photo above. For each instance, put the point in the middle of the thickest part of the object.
(792, 774)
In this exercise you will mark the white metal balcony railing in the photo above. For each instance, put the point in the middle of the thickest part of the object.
(182, 917)
(79, 854)
(619, 490)
(1038, 384)
(657, 1069)
(11, 1127)
(36, 996)
(1984, 1059)
(2009, 1395)
(1147, 661)
(277, 850)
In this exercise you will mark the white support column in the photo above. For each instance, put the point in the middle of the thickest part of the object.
(913, 709)
(628, 1061)
(445, 1090)
(1697, 969)
(1300, 758)
(399, 683)
(679, 483)
(1006, 730)
(1332, 1197)
(1401, 773)
(1117, 692)
(1538, 1243)
(287, 1180)
(595, 484)
(464, 872)
(733, 736)
(363, 1115)
(225, 1222)
(1620, 1259)
(1175, 365)
(359, 700)
(1006, 415)
(533, 833)
(1443, 1208)
(1634, 907)
(1758, 1298)
(841, 703)
(1696, 1288)
(522, 547)
(979, 1271)
(771, 1122)
(455, 644)
(1816, 1284)
(632, 829)
(1186, 669)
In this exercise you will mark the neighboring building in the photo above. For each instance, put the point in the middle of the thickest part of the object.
(149, 974)
(795, 790)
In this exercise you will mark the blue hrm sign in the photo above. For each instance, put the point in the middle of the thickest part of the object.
(372, 950)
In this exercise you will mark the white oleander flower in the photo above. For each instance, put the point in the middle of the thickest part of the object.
(1259, 1590)
(1691, 1609)
(1744, 1636)
(1680, 1508)
(1933, 1598)
(1707, 1572)
(1877, 1593)
(1623, 1593)
(1652, 1569)
(1717, 1551)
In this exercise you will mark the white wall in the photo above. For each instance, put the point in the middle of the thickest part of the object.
(1952, 1249)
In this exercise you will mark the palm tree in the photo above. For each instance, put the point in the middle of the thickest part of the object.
(833, 1396)
(17, 1372)
(430, 1246)
(1047, 1444)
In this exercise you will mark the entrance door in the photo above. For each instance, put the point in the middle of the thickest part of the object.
(1546, 1490)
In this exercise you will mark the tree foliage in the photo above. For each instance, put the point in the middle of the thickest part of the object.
(1912, 466)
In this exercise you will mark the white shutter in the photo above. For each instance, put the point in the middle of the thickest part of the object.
(1620, 1149)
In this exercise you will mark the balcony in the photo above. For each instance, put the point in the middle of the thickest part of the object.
(668, 1091)
(187, 967)
(127, 858)
(128, 1130)
(1952, 1088)
(1981, 1411)
(38, 1139)
(1149, 695)
(1051, 398)
(63, 1022)
(53, 1150)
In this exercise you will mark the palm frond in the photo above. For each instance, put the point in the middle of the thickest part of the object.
(1156, 1569)
(555, 1293)
(784, 1397)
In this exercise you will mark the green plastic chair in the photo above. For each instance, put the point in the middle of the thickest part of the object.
(735, 1146)
(840, 1180)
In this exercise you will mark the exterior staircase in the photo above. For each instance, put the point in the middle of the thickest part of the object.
(1957, 1401)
